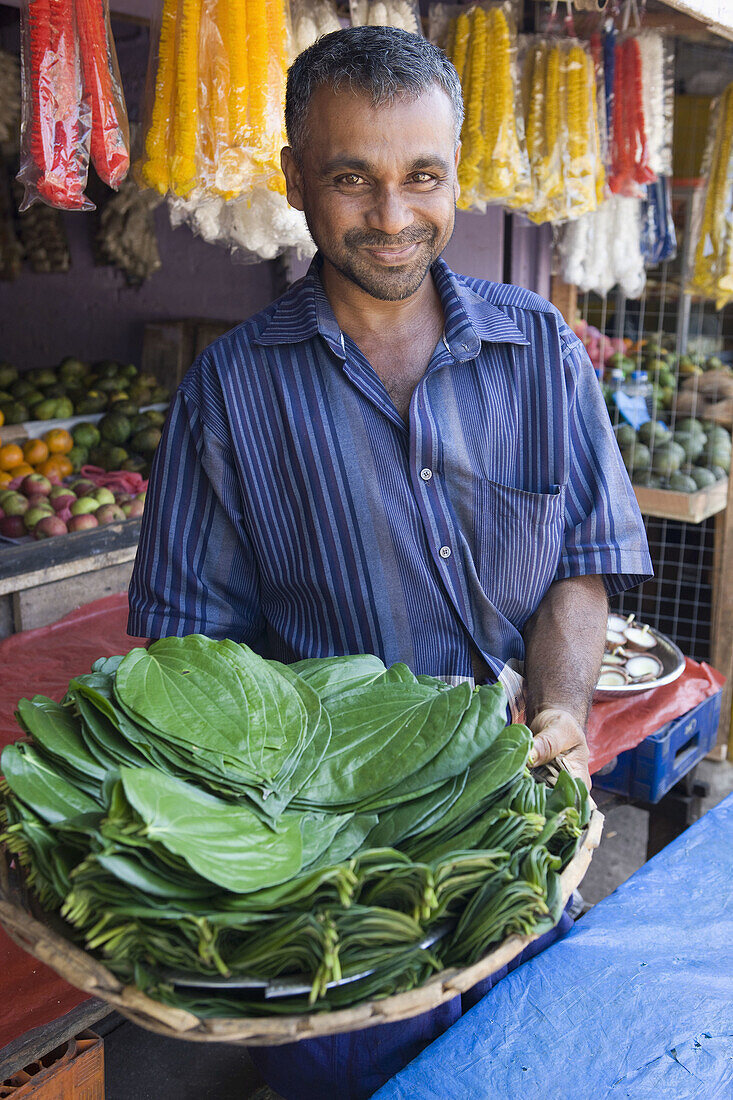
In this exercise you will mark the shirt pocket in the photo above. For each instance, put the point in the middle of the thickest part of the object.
(519, 545)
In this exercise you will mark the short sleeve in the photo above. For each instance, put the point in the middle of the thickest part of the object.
(195, 570)
(604, 532)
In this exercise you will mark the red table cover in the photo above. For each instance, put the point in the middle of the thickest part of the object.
(43, 661)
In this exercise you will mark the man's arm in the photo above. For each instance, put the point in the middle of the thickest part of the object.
(564, 642)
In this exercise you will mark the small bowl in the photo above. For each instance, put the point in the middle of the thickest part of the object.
(673, 665)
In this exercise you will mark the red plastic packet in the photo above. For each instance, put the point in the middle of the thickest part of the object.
(110, 139)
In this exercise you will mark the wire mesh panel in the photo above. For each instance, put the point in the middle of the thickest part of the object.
(678, 601)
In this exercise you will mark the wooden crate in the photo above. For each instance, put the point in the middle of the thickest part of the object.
(170, 347)
(686, 507)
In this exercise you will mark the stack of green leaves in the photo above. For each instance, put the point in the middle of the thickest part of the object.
(193, 809)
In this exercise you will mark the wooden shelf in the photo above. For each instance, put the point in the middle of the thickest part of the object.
(686, 507)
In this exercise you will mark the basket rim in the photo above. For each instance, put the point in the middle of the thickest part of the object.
(88, 974)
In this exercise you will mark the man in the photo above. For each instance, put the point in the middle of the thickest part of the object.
(392, 458)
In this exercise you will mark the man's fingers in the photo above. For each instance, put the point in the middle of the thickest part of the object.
(561, 738)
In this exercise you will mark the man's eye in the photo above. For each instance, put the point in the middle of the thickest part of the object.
(350, 180)
(423, 177)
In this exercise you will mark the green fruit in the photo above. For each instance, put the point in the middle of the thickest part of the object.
(691, 443)
(682, 483)
(115, 427)
(115, 457)
(43, 378)
(654, 366)
(139, 392)
(157, 417)
(713, 363)
(136, 463)
(653, 430)
(109, 385)
(637, 458)
(46, 409)
(159, 395)
(702, 477)
(8, 375)
(667, 459)
(689, 424)
(21, 388)
(78, 457)
(718, 436)
(86, 435)
(64, 408)
(720, 474)
(58, 389)
(34, 398)
(129, 370)
(15, 412)
(93, 402)
(5, 397)
(625, 436)
(70, 368)
(106, 368)
(124, 406)
(146, 441)
(720, 457)
(140, 422)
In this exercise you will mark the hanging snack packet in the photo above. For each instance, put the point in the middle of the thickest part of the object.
(110, 140)
(56, 116)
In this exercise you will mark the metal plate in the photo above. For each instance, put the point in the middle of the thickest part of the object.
(673, 665)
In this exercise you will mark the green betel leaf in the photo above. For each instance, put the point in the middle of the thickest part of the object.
(226, 844)
(38, 786)
(194, 692)
(380, 735)
(332, 676)
(57, 730)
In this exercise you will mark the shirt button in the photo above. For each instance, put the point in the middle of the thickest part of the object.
(444, 551)
(426, 474)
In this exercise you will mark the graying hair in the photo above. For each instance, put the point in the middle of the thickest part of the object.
(380, 62)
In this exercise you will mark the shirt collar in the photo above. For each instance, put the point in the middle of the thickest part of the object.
(304, 312)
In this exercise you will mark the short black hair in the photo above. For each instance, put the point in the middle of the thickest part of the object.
(380, 62)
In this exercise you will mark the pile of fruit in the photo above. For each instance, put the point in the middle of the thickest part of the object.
(74, 388)
(52, 456)
(124, 439)
(675, 381)
(693, 455)
(44, 507)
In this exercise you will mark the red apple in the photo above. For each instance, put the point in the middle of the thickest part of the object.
(49, 527)
(34, 515)
(38, 500)
(103, 495)
(12, 527)
(36, 485)
(61, 498)
(16, 483)
(15, 504)
(83, 522)
(83, 487)
(134, 508)
(109, 513)
(64, 514)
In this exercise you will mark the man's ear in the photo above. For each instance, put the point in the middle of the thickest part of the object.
(293, 178)
(456, 185)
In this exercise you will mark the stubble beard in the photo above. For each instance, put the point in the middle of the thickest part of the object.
(390, 284)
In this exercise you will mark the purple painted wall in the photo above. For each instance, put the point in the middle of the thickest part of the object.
(91, 312)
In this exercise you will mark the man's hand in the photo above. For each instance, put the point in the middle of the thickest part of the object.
(558, 735)
(564, 645)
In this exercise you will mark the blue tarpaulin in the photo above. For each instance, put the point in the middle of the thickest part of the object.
(637, 1001)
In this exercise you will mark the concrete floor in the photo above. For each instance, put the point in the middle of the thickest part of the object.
(144, 1066)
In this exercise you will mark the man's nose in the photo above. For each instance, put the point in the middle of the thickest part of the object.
(390, 212)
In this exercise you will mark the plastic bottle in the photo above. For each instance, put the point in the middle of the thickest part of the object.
(638, 385)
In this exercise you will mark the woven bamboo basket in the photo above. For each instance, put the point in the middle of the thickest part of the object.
(85, 972)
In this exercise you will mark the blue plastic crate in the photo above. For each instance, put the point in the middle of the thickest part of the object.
(665, 757)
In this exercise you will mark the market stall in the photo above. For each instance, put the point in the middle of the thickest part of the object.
(170, 124)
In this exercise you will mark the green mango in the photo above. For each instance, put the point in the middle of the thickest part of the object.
(682, 483)
(625, 436)
(667, 459)
(64, 408)
(702, 477)
(637, 458)
(86, 435)
(15, 412)
(692, 444)
(115, 428)
(46, 409)
(78, 457)
(8, 375)
(146, 441)
(653, 430)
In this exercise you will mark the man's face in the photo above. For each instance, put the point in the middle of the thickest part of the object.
(378, 186)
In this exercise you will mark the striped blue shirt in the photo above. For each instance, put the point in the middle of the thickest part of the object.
(291, 507)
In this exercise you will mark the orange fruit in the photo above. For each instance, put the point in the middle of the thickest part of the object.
(2, 418)
(10, 455)
(21, 470)
(5, 478)
(58, 441)
(35, 451)
(56, 464)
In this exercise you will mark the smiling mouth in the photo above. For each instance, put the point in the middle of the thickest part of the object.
(394, 255)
